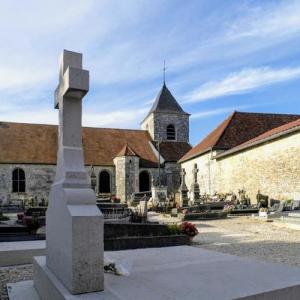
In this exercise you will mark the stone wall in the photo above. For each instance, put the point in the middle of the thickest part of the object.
(110, 170)
(206, 174)
(38, 181)
(273, 168)
(157, 123)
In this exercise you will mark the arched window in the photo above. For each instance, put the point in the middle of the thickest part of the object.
(18, 181)
(171, 133)
(104, 182)
(144, 181)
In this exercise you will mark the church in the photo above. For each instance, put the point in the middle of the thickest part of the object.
(123, 161)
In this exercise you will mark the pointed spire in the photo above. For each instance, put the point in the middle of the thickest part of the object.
(126, 151)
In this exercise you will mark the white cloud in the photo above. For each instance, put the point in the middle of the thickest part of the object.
(242, 82)
(115, 119)
(217, 111)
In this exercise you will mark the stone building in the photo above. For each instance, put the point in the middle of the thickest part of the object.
(124, 161)
(250, 151)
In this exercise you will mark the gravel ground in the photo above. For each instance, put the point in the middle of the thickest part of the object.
(13, 274)
(242, 236)
(246, 236)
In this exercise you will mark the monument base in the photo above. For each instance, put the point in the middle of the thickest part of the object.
(47, 286)
(154, 274)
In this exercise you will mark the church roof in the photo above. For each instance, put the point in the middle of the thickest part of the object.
(126, 151)
(274, 133)
(165, 102)
(173, 151)
(237, 129)
(37, 144)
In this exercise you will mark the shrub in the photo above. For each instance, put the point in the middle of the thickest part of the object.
(174, 229)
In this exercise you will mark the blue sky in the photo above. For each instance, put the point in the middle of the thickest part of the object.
(220, 56)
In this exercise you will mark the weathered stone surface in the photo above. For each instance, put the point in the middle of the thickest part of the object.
(74, 231)
(273, 168)
(157, 123)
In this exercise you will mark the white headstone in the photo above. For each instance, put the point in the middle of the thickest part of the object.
(74, 230)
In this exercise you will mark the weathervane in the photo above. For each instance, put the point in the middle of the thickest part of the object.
(164, 69)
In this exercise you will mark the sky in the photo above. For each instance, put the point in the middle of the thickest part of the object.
(221, 56)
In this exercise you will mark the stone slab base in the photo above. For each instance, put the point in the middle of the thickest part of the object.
(20, 253)
(185, 272)
(49, 287)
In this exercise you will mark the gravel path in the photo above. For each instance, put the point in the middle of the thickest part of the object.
(245, 236)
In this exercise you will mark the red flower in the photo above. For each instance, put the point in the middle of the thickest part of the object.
(189, 229)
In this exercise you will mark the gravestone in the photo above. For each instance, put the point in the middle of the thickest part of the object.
(195, 189)
(74, 231)
(183, 190)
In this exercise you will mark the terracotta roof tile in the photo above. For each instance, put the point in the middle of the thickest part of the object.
(126, 151)
(37, 144)
(266, 136)
(173, 151)
(239, 128)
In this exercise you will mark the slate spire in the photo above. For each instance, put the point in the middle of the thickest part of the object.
(165, 102)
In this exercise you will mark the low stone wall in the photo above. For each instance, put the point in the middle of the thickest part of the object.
(117, 230)
(124, 243)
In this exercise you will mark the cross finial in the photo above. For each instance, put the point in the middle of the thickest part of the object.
(164, 69)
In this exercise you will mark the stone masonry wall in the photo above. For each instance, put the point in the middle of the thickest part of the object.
(273, 168)
(157, 123)
(206, 174)
(38, 181)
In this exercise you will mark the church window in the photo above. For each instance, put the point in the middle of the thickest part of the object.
(18, 181)
(104, 182)
(171, 133)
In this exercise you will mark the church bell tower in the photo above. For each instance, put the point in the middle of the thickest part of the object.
(166, 119)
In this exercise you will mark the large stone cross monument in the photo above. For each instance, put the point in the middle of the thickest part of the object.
(74, 231)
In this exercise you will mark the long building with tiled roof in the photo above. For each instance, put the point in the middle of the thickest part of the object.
(28, 153)
(249, 151)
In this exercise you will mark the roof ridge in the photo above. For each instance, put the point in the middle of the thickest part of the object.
(56, 125)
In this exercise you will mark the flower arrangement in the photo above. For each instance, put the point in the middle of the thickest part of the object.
(189, 229)
(263, 209)
(228, 208)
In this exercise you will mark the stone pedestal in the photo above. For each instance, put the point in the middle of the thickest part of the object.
(159, 193)
(195, 193)
(74, 231)
(184, 200)
(195, 189)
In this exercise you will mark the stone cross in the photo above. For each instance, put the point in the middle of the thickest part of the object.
(74, 231)
(195, 190)
(183, 173)
(195, 173)
(183, 189)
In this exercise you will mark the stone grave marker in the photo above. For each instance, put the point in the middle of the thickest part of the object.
(195, 189)
(183, 190)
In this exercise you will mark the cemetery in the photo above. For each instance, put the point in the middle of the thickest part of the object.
(81, 245)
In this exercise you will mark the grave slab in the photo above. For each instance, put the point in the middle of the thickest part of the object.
(187, 272)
